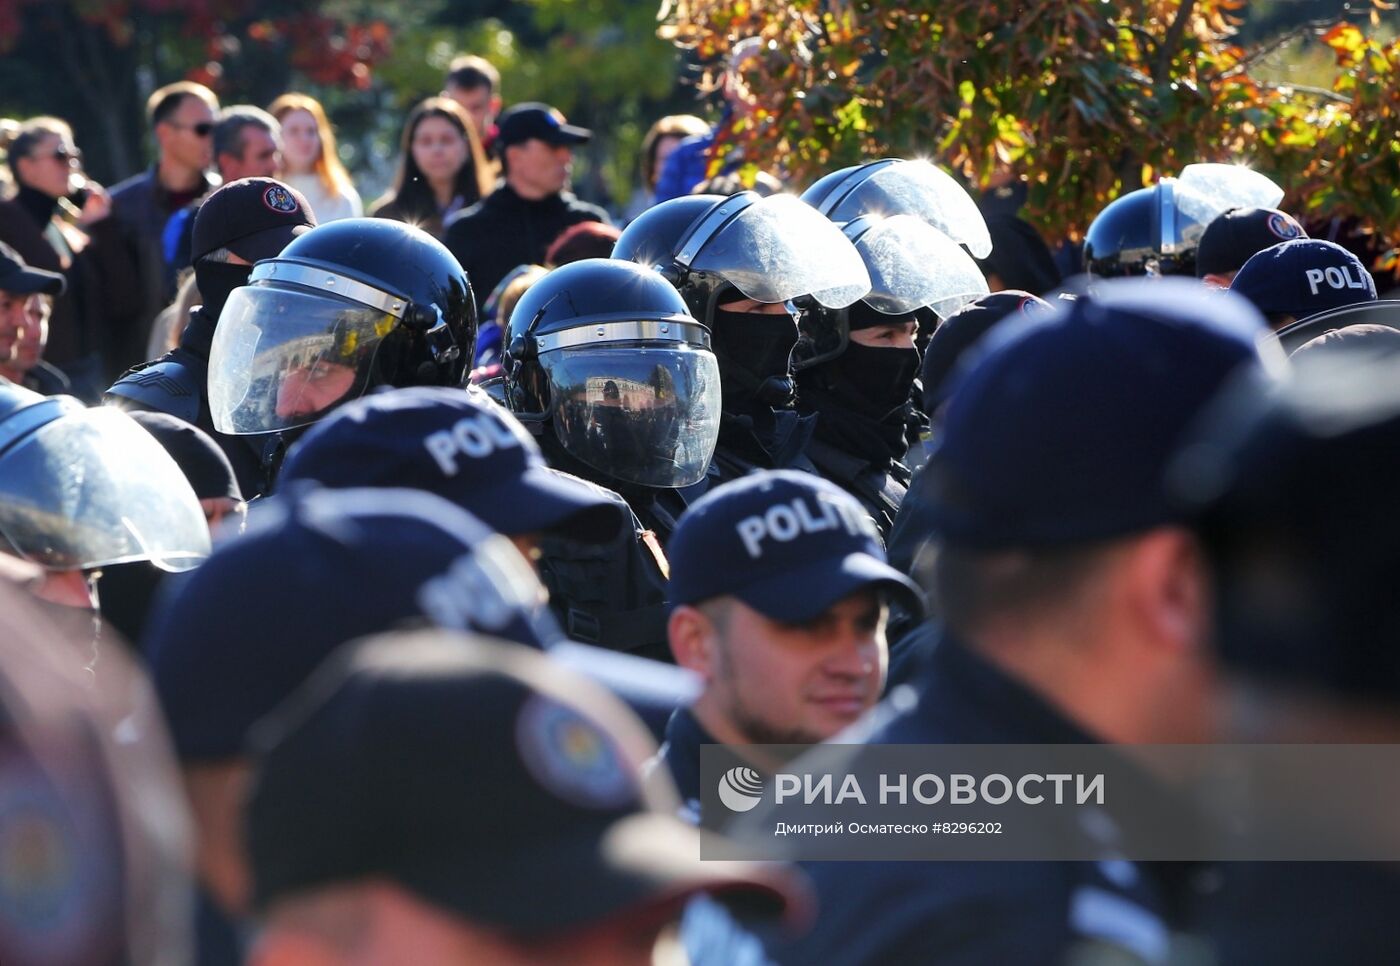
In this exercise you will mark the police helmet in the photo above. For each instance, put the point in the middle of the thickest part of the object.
(1143, 233)
(1156, 230)
(772, 249)
(84, 488)
(349, 305)
(606, 352)
(915, 269)
(894, 186)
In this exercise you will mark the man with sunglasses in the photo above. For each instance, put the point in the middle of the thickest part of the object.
(181, 116)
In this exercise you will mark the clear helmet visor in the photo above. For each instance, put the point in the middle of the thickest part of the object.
(644, 415)
(779, 249)
(1203, 192)
(913, 265)
(284, 357)
(93, 488)
(925, 191)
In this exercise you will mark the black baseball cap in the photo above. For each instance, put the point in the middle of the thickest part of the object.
(1232, 238)
(950, 342)
(786, 543)
(204, 464)
(487, 780)
(255, 218)
(460, 445)
(16, 275)
(523, 122)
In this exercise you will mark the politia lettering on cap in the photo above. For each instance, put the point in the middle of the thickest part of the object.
(785, 522)
(1336, 276)
(474, 437)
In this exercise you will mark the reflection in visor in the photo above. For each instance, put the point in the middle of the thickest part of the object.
(926, 191)
(283, 358)
(643, 415)
(912, 265)
(780, 248)
(93, 488)
(1206, 191)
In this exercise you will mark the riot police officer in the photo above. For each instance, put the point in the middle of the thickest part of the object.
(605, 360)
(353, 304)
(737, 262)
(81, 489)
(856, 371)
(1155, 231)
(607, 366)
(241, 223)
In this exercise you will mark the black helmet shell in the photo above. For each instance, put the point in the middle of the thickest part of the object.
(408, 262)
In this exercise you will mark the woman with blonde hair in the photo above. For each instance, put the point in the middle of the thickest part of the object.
(310, 163)
(442, 168)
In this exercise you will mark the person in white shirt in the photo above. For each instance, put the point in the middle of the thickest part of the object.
(309, 160)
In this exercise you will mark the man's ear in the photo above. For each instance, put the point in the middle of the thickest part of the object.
(691, 636)
(1171, 587)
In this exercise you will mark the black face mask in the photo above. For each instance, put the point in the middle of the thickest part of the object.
(875, 381)
(754, 352)
(216, 281)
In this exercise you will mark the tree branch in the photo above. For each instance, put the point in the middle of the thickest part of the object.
(1172, 41)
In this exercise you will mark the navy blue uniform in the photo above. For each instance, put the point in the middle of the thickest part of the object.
(986, 912)
(681, 754)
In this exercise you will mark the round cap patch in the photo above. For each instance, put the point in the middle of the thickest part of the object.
(571, 756)
(280, 199)
(1284, 227)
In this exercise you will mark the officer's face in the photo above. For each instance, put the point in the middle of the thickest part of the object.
(770, 682)
(312, 388)
(899, 336)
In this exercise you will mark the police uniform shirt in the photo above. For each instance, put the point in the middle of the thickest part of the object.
(681, 754)
(986, 912)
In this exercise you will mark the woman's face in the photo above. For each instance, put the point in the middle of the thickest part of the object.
(439, 148)
(301, 142)
(47, 167)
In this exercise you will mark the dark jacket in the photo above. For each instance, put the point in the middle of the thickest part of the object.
(78, 324)
(141, 207)
(178, 383)
(985, 912)
(504, 230)
(680, 753)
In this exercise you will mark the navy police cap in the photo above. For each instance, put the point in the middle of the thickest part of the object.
(460, 445)
(1304, 277)
(1062, 427)
(787, 544)
(318, 568)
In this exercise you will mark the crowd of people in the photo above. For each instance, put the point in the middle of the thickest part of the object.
(371, 585)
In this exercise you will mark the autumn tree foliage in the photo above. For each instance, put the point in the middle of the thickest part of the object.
(1083, 99)
(95, 61)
